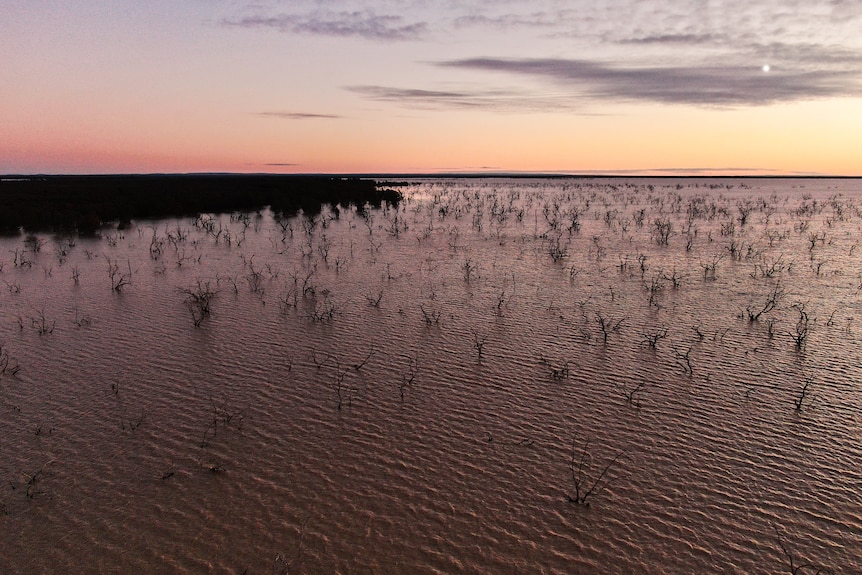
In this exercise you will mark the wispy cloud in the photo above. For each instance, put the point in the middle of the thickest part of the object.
(709, 85)
(497, 100)
(415, 96)
(675, 39)
(365, 24)
(684, 52)
(296, 115)
(529, 20)
(808, 55)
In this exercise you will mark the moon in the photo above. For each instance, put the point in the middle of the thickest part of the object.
(765, 68)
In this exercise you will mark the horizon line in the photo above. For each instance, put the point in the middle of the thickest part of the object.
(677, 174)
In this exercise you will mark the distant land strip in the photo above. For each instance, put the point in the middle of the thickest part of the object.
(84, 204)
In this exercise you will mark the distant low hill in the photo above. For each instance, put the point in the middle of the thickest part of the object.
(83, 204)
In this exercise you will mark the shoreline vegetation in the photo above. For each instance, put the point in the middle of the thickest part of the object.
(84, 204)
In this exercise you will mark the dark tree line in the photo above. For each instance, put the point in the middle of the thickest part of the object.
(83, 204)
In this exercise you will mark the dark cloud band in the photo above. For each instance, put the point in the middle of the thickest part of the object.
(713, 85)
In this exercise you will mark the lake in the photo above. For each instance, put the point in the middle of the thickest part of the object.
(568, 375)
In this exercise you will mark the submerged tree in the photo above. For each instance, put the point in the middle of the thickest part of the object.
(584, 486)
(198, 301)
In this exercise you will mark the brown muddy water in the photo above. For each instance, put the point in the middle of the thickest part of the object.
(428, 389)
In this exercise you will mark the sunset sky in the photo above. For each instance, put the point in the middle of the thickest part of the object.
(417, 86)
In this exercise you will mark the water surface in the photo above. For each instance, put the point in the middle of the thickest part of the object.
(406, 390)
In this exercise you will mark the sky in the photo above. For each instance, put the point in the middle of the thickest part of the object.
(621, 87)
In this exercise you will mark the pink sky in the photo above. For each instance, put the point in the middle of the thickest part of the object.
(405, 86)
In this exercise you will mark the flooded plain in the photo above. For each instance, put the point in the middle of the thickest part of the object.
(497, 376)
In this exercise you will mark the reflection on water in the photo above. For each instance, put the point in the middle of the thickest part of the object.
(419, 390)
